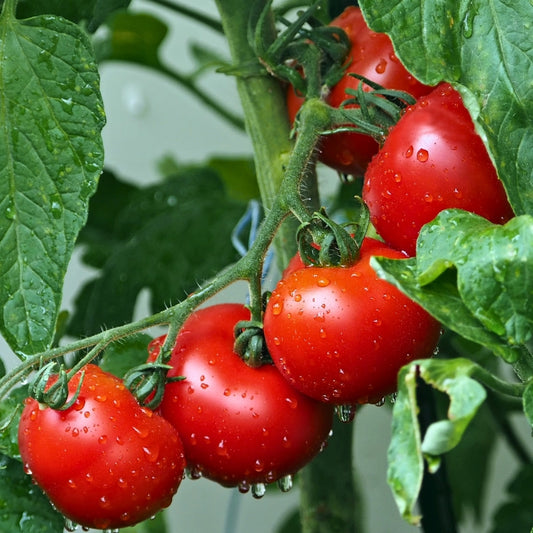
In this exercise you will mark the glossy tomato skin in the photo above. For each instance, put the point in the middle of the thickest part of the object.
(432, 160)
(372, 56)
(341, 334)
(106, 462)
(239, 425)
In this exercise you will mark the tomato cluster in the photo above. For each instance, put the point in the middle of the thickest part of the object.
(371, 55)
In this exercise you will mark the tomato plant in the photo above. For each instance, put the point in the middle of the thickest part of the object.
(371, 55)
(239, 425)
(105, 462)
(432, 160)
(341, 334)
(164, 240)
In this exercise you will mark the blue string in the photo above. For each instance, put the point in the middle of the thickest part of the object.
(248, 225)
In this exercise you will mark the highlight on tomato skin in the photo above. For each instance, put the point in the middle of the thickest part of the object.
(432, 159)
(105, 462)
(341, 334)
(239, 425)
(372, 56)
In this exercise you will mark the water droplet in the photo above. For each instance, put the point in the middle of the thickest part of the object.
(346, 412)
(298, 298)
(422, 155)
(258, 490)
(243, 487)
(193, 472)
(285, 483)
(428, 198)
(381, 66)
(10, 212)
(380, 402)
(277, 308)
(102, 439)
(70, 525)
(323, 282)
(409, 151)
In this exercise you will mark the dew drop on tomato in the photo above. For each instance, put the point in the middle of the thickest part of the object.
(70, 525)
(345, 413)
(258, 490)
(422, 155)
(409, 152)
(381, 67)
(243, 487)
(285, 483)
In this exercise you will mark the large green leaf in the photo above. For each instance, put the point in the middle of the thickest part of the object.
(485, 47)
(167, 238)
(408, 448)
(51, 156)
(23, 507)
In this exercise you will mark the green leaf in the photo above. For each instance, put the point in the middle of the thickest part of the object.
(516, 514)
(23, 507)
(408, 448)
(10, 410)
(494, 268)
(486, 50)
(92, 12)
(125, 354)
(169, 238)
(134, 37)
(51, 156)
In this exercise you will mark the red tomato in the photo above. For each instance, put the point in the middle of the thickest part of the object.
(371, 56)
(106, 462)
(239, 425)
(433, 159)
(341, 334)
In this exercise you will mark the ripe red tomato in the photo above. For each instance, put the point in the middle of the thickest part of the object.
(105, 462)
(371, 56)
(239, 425)
(341, 334)
(433, 159)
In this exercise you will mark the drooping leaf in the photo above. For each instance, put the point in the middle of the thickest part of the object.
(51, 156)
(169, 238)
(408, 448)
(23, 506)
(486, 49)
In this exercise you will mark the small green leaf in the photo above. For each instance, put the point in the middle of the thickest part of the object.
(125, 354)
(134, 37)
(408, 448)
(10, 409)
(23, 507)
(486, 49)
(51, 156)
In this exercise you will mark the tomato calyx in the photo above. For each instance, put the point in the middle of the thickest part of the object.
(53, 395)
(376, 110)
(308, 54)
(324, 242)
(147, 382)
(250, 344)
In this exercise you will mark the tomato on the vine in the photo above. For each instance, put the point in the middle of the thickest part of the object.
(341, 334)
(372, 56)
(432, 159)
(105, 462)
(240, 425)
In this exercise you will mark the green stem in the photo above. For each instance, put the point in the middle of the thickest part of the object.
(495, 383)
(266, 119)
(198, 16)
(327, 486)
